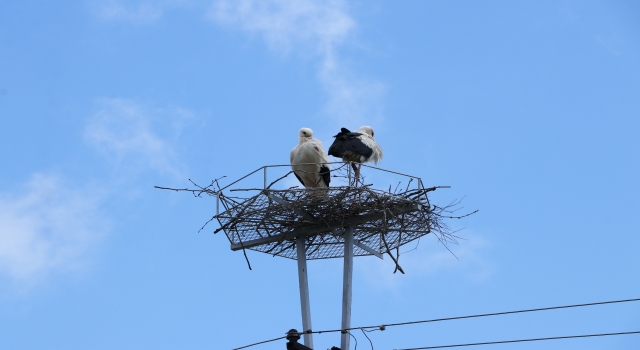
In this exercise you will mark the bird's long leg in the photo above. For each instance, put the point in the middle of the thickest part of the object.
(356, 172)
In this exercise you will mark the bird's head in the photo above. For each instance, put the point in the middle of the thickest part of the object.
(366, 130)
(305, 134)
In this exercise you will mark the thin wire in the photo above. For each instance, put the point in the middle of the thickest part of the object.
(521, 340)
(485, 315)
(382, 327)
(262, 342)
(354, 338)
(365, 334)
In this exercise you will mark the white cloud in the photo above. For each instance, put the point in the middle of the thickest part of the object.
(317, 26)
(610, 42)
(140, 12)
(48, 227)
(431, 258)
(286, 24)
(352, 102)
(122, 130)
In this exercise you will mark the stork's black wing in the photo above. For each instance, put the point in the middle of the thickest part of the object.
(347, 141)
(325, 172)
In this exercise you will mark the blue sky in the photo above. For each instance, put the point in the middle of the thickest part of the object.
(529, 110)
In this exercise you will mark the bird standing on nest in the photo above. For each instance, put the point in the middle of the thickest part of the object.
(315, 173)
(356, 147)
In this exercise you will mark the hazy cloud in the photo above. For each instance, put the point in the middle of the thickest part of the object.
(123, 131)
(607, 35)
(139, 12)
(610, 42)
(46, 227)
(50, 226)
(431, 258)
(286, 24)
(320, 27)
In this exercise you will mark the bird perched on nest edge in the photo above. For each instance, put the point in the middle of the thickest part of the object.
(356, 147)
(309, 150)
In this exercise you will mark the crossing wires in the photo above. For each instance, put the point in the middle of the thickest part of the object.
(384, 326)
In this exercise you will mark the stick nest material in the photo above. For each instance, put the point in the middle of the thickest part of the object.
(270, 220)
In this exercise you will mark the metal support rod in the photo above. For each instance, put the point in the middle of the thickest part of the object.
(368, 249)
(265, 178)
(347, 282)
(304, 291)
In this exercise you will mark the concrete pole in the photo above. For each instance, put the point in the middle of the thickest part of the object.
(347, 283)
(304, 291)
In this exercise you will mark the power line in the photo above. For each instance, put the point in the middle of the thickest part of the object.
(369, 339)
(258, 343)
(521, 340)
(383, 327)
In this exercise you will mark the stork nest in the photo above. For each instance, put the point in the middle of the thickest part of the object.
(271, 220)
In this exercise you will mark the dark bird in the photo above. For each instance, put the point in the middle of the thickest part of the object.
(309, 162)
(356, 147)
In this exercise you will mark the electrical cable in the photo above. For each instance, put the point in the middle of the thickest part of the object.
(383, 327)
(262, 342)
(521, 340)
(365, 334)
(481, 315)
(354, 338)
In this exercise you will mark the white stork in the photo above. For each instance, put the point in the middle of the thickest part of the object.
(356, 147)
(309, 150)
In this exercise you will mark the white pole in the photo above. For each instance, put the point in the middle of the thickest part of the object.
(265, 177)
(346, 287)
(304, 291)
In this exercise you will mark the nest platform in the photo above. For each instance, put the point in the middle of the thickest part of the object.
(270, 221)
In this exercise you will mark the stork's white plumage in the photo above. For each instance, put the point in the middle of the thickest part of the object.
(356, 147)
(309, 150)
